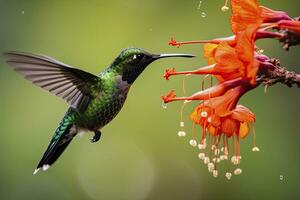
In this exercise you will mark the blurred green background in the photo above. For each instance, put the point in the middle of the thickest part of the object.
(140, 155)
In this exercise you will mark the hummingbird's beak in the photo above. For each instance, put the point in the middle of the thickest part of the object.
(155, 57)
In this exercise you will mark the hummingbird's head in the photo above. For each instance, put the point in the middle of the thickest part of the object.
(131, 62)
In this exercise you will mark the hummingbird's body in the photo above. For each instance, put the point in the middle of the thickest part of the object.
(107, 100)
(94, 100)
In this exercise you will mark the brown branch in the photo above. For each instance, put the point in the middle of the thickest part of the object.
(277, 74)
(289, 38)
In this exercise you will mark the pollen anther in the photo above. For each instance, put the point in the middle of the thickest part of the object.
(225, 8)
(237, 171)
(181, 134)
(223, 157)
(203, 114)
(228, 175)
(193, 142)
(210, 167)
(235, 160)
(216, 160)
(215, 173)
(206, 160)
(202, 145)
(181, 124)
(201, 156)
(255, 149)
(217, 151)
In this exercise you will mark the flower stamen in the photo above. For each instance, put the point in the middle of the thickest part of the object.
(225, 7)
(193, 142)
(255, 148)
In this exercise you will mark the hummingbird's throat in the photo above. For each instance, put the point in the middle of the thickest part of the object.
(122, 85)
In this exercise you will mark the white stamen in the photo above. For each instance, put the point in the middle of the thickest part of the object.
(237, 171)
(225, 151)
(201, 156)
(202, 145)
(216, 160)
(181, 124)
(235, 160)
(217, 151)
(206, 160)
(228, 175)
(210, 167)
(181, 134)
(224, 157)
(164, 105)
(255, 149)
(193, 142)
(215, 173)
(203, 114)
(225, 8)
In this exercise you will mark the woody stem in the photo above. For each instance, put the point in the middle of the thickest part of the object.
(277, 74)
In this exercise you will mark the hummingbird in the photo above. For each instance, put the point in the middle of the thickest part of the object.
(94, 100)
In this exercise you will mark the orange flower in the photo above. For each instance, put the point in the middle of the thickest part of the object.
(235, 122)
(248, 15)
(230, 63)
(246, 19)
(221, 120)
(209, 51)
(235, 63)
(224, 104)
(245, 14)
(245, 49)
(234, 56)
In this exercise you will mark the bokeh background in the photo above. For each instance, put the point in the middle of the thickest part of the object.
(140, 155)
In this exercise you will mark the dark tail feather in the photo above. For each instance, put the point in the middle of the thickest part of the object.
(60, 149)
(61, 139)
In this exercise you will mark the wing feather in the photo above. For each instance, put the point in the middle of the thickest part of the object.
(71, 84)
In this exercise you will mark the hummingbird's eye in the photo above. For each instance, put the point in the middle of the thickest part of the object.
(140, 56)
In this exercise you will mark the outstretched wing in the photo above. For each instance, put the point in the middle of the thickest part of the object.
(71, 84)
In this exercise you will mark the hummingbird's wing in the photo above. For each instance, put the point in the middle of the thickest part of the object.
(71, 84)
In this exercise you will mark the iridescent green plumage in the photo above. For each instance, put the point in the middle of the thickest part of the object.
(94, 100)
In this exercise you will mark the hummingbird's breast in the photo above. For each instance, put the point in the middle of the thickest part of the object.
(106, 104)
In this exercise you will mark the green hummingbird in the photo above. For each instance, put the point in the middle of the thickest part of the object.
(94, 100)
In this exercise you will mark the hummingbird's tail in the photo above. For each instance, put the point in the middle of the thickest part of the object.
(59, 142)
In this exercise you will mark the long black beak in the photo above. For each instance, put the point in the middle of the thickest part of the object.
(173, 55)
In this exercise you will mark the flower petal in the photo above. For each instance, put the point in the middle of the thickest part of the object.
(244, 130)
(243, 114)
